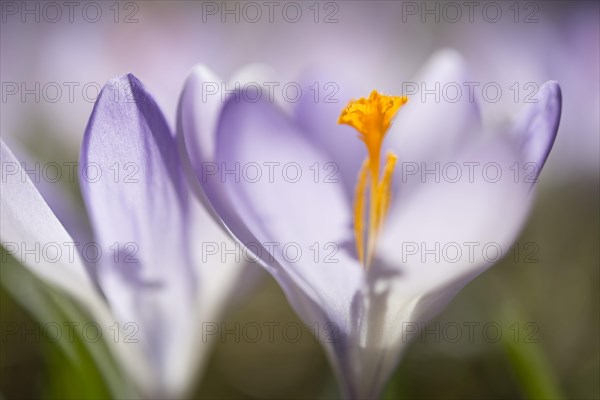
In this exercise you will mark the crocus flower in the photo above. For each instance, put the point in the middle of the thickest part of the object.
(389, 248)
(145, 269)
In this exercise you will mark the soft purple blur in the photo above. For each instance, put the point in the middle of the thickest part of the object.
(378, 44)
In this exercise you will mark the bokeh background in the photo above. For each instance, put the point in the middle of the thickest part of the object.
(544, 296)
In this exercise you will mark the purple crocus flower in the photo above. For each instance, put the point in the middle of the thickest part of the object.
(145, 265)
(456, 204)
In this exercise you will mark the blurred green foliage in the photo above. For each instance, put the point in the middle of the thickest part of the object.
(35, 362)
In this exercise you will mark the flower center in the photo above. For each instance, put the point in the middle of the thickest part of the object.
(372, 118)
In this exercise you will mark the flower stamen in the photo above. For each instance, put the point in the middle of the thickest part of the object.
(372, 118)
(359, 209)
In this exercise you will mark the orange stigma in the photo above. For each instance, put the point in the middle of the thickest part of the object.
(372, 118)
